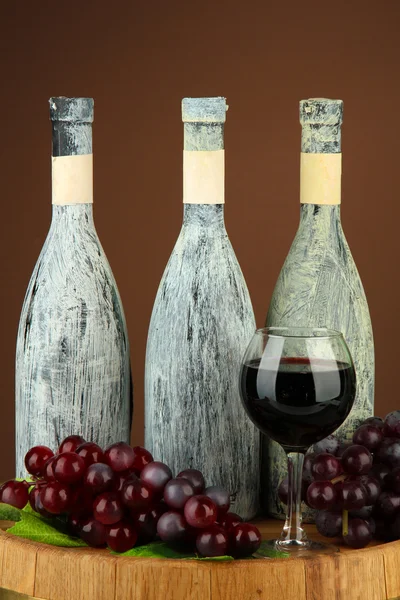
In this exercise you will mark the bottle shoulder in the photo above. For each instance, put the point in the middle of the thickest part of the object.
(204, 261)
(320, 282)
(71, 271)
(202, 282)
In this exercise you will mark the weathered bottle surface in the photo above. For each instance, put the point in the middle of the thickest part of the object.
(201, 324)
(72, 359)
(319, 284)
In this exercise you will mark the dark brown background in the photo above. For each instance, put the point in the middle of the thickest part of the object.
(138, 59)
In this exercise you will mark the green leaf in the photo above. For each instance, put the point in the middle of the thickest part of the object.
(268, 552)
(33, 528)
(28, 508)
(9, 513)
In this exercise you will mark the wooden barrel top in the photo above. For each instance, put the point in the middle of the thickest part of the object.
(31, 570)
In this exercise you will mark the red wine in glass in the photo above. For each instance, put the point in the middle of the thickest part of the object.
(297, 385)
(300, 401)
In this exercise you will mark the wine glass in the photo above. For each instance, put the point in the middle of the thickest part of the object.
(297, 385)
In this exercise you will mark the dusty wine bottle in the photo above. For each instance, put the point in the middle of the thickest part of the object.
(201, 324)
(319, 284)
(72, 359)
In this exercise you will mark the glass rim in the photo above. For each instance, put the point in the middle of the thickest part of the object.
(327, 333)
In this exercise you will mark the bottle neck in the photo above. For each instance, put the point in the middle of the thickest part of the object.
(322, 220)
(321, 138)
(203, 164)
(72, 163)
(210, 216)
(72, 216)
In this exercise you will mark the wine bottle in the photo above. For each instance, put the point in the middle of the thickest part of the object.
(319, 284)
(72, 358)
(201, 323)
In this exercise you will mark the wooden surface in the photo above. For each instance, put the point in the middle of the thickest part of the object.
(50, 573)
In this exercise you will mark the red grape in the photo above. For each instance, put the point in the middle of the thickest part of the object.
(177, 492)
(359, 533)
(212, 541)
(220, 497)
(368, 436)
(387, 505)
(326, 467)
(158, 510)
(375, 421)
(196, 479)
(15, 493)
(71, 443)
(119, 456)
(380, 472)
(156, 475)
(121, 478)
(329, 523)
(39, 508)
(91, 453)
(36, 458)
(371, 524)
(363, 513)
(342, 448)
(99, 478)
(321, 495)
(142, 457)
(69, 467)
(200, 512)
(229, 520)
(351, 495)
(82, 501)
(372, 487)
(48, 469)
(33, 494)
(393, 480)
(308, 461)
(108, 509)
(121, 537)
(283, 490)
(391, 426)
(387, 531)
(136, 494)
(146, 522)
(93, 532)
(172, 527)
(55, 497)
(244, 539)
(389, 452)
(74, 524)
(146, 526)
(357, 460)
(330, 444)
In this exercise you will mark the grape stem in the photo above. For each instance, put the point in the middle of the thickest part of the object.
(339, 478)
(293, 533)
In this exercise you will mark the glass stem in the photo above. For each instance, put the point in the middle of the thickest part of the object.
(293, 533)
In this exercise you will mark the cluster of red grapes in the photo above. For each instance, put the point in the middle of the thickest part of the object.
(355, 486)
(121, 497)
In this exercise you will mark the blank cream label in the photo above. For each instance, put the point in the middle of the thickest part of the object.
(72, 178)
(204, 177)
(320, 178)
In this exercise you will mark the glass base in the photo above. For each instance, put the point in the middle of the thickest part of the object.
(306, 549)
